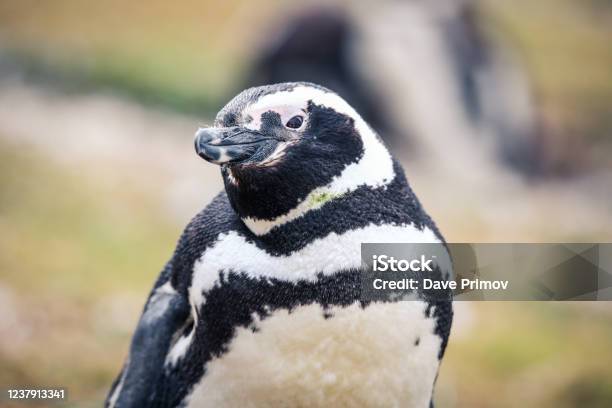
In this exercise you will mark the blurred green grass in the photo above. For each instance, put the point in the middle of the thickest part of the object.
(76, 262)
(180, 55)
(532, 354)
(56, 221)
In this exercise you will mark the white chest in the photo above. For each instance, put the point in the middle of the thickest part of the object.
(383, 355)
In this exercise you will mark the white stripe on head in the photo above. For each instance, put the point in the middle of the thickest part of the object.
(374, 169)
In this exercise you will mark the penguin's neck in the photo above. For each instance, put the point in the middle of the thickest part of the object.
(320, 199)
(325, 211)
(313, 202)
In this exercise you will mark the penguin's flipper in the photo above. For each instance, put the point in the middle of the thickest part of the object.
(165, 313)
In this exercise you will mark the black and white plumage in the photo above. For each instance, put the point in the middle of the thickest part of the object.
(260, 303)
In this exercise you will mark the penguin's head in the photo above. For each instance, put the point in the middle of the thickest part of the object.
(283, 146)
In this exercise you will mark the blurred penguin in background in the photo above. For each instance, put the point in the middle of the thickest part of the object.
(315, 46)
(424, 73)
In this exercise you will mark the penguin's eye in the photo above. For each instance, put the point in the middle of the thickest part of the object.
(295, 122)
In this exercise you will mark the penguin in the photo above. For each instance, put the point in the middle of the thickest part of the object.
(260, 303)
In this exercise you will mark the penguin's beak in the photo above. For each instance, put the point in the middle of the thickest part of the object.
(228, 145)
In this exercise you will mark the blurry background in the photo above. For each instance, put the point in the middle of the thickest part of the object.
(500, 111)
